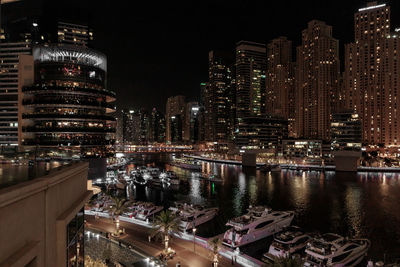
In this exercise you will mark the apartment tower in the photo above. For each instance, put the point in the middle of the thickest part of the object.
(250, 79)
(317, 76)
(371, 71)
(280, 80)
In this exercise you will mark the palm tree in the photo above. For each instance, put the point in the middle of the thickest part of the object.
(291, 261)
(119, 206)
(89, 262)
(165, 224)
(215, 244)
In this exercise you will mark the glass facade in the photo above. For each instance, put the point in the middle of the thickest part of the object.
(76, 241)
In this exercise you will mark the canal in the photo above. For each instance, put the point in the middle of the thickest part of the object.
(365, 205)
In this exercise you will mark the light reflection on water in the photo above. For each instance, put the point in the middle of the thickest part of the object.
(359, 205)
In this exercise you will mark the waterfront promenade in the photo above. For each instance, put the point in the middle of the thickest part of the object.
(137, 236)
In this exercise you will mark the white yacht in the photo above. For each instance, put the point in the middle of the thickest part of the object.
(169, 177)
(334, 250)
(147, 210)
(193, 215)
(258, 223)
(291, 240)
(133, 209)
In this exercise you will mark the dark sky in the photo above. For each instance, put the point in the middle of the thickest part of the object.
(159, 49)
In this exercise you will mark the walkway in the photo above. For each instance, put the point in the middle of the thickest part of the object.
(137, 236)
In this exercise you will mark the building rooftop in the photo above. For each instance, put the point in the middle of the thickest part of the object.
(12, 174)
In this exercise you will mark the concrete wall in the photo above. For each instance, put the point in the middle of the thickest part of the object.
(249, 159)
(34, 216)
(347, 161)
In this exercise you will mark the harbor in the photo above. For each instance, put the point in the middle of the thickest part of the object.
(302, 192)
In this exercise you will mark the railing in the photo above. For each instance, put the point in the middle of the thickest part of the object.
(68, 129)
(69, 89)
(64, 142)
(69, 116)
(67, 102)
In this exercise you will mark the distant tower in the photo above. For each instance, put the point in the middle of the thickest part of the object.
(317, 76)
(250, 79)
(371, 75)
(175, 117)
(74, 34)
(280, 80)
(218, 110)
(10, 55)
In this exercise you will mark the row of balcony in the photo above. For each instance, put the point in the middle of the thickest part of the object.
(67, 142)
(65, 102)
(45, 89)
(44, 129)
(68, 116)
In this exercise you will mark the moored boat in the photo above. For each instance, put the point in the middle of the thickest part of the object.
(259, 222)
(147, 210)
(290, 240)
(193, 215)
(334, 250)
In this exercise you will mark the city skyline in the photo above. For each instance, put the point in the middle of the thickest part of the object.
(146, 47)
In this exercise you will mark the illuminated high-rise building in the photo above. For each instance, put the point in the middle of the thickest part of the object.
(74, 34)
(219, 97)
(18, 34)
(10, 55)
(192, 122)
(144, 127)
(317, 76)
(371, 75)
(68, 108)
(157, 126)
(130, 126)
(250, 79)
(175, 118)
(280, 80)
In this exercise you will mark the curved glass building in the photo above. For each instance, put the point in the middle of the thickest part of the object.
(69, 108)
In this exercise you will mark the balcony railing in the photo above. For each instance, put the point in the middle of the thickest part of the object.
(68, 129)
(45, 89)
(67, 142)
(67, 116)
(62, 102)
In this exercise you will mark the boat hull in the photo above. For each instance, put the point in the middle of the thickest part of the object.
(199, 221)
(258, 234)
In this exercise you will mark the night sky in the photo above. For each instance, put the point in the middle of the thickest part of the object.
(160, 49)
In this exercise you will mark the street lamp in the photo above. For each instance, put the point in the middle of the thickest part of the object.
(194, 240)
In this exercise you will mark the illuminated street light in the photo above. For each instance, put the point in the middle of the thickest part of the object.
(194, 240)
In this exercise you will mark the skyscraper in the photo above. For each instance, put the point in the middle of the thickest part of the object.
(10, 54)
(317, 76)
(175, 117)
(218, 108)
(371, 72)
(74, 34)
(130, 126)
(192, 123)
(69, 104)
(157, 126)
(280, 80)
(250, 79)
(144, 127)
(20, 34)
